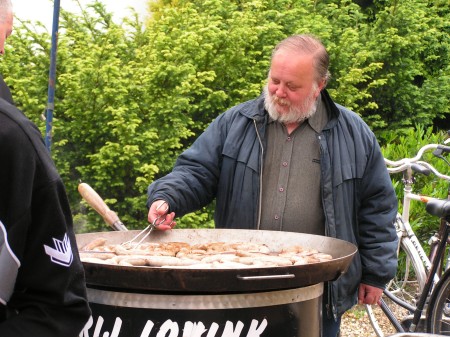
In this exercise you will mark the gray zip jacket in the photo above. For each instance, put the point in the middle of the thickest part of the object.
(360, 205)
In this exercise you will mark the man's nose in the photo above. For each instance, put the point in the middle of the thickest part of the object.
(281, 91)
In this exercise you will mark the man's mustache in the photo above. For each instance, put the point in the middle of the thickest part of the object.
(281, 101)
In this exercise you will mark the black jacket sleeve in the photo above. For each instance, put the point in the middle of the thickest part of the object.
(49, 296)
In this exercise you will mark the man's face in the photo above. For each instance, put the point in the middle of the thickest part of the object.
(292, 88)
(6, 26)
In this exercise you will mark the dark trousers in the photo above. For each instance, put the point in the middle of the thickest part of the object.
(330, 327)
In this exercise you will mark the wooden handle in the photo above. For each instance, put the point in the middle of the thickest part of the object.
(97, 203)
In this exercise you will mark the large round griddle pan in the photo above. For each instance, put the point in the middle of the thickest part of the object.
(167, 280)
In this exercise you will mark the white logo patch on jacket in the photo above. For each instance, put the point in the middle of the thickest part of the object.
(9, 266)
(62, 253)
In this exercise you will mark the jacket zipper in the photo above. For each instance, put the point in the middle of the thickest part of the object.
(261, 160)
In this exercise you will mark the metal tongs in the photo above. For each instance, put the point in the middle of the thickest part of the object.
(147, 230)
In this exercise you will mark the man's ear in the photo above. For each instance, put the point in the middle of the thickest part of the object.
(320, 87)
(322, 84)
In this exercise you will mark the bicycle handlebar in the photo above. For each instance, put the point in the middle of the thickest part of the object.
(416, 164)
(423, 149)
(434, 170)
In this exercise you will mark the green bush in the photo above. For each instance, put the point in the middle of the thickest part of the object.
(129, 98)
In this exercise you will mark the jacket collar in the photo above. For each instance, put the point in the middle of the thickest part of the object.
(332, 109)
(254, 109)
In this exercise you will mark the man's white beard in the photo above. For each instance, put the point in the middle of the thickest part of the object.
(296, 114)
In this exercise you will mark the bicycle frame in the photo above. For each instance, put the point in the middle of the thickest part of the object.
(408, 166)
(430, 280)
(418, 310)
(428, 275)
(406, 229)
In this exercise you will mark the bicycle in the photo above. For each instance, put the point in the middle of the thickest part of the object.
(418, 271)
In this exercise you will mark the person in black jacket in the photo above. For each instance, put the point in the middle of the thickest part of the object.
(293, 160)
(42, 284)
(6, 27)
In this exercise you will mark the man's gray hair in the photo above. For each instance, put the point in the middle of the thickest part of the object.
(309, 44)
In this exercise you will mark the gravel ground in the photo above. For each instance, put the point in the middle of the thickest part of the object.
(355, 323)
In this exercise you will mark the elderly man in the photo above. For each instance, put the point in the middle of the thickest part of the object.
(293, 160)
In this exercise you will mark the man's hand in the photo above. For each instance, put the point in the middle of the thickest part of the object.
(158, 215)
(369, 294)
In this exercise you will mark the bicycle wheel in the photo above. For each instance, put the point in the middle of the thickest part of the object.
(411, 274)
(438, 313)
(407, 285)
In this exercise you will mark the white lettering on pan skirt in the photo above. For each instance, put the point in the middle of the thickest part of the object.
(172, 329)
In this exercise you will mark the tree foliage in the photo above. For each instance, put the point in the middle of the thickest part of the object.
(130, 97)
